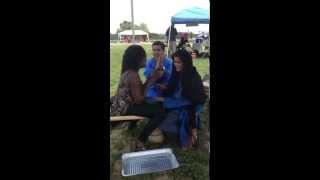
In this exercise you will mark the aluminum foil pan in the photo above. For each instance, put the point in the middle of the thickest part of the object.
(149, 161)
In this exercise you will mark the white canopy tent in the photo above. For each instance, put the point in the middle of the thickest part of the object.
(131, 33)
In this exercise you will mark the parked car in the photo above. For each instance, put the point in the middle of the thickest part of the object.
(201, 45)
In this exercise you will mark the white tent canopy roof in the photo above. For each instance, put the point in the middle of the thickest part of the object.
(129, 32)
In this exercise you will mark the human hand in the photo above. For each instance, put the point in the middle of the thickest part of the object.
(129, 99)
(159, 60)
(160, 99)
(162, 86)
(157, 74)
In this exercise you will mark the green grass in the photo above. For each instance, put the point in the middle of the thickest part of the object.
(194, 163)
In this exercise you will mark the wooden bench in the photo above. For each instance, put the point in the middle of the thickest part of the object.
(127, 118)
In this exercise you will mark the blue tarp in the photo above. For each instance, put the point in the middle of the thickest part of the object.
(194, 15)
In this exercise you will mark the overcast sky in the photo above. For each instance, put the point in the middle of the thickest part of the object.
(155, 13)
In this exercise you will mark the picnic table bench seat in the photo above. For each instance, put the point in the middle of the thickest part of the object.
(127, 118)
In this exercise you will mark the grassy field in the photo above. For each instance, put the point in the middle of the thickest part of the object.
(194, 163)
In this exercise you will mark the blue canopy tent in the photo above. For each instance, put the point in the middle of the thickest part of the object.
(194, 15)
(190, 16)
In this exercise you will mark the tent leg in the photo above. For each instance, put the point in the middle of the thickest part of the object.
(169, 41)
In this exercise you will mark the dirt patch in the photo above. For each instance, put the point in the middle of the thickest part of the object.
(162, 177)
(117, 168)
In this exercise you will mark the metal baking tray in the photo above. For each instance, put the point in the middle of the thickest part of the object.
(149, 161)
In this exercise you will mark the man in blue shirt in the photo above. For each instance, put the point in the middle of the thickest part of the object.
(159, 67)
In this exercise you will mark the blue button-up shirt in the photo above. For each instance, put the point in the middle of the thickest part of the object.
(153, 90)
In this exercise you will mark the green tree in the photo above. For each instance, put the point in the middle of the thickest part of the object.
(126, 25)
(144, 27)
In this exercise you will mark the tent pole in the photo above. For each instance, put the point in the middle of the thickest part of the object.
(169, 41)
(132, 21)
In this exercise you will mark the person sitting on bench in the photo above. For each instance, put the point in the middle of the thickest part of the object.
(183, 100)
(157, 72)
(129, 98)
